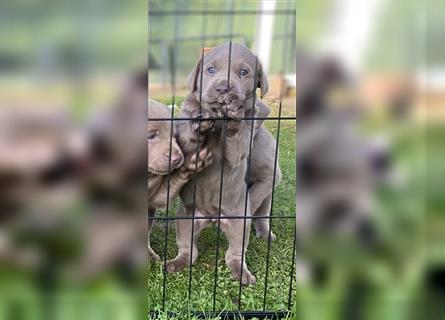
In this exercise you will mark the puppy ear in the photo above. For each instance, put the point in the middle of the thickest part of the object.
(192, 79)
(262, 83)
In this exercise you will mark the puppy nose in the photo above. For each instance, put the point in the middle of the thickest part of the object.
(222, 87)
(176, 159)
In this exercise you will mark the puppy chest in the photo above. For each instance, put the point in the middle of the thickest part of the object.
(214, 190)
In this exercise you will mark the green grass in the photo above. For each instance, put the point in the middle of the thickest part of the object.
(227, 289)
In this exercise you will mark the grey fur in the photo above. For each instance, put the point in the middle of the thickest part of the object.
(164, 179)
(229, 144)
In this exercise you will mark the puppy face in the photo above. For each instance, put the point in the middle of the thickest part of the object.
(158, 139)
(221, 85)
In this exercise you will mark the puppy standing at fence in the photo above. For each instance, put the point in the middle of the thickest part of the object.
(228, 89)
(166, 158)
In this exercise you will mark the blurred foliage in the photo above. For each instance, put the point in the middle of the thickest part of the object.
(409, 35)
(68, 35)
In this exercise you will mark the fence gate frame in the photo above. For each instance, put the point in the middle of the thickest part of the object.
(266, 13)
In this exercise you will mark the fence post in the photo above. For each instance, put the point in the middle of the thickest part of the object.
(264, 33)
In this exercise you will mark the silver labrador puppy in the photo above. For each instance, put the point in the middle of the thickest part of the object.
(166, 158)
(229, 144)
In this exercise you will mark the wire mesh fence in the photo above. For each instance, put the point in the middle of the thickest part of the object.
(179, 34)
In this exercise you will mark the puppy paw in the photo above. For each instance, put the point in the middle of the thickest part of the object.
(178, 264)
(247, 277)
(152, 255)
(264, 235)
(215, 109)
(235, 109)
(233, 127)
(195, 163)
(203, 122)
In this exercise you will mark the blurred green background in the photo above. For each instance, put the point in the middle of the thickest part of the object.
(72, 54)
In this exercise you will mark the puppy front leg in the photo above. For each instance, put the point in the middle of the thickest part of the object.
(191, 134)
(151, 253)
(238, 133)
(237, 142)
(168, 190)
(235, 257)
(185, 242)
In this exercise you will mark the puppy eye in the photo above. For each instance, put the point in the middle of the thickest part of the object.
(152, 135)
(211, 70)
(243, 71)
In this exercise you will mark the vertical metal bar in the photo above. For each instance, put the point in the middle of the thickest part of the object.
(223, 147)
(269, 239)
(204, 27)
(218, 229)
(249, 160)
(218, 234)
(203, 40)
(172, 59)
(294, 250)
(292, 269)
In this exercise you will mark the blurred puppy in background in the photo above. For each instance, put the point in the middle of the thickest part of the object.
(41, 155)
(114, 184)
(338, 170)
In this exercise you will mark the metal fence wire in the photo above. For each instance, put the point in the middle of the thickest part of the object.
(210, 292)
